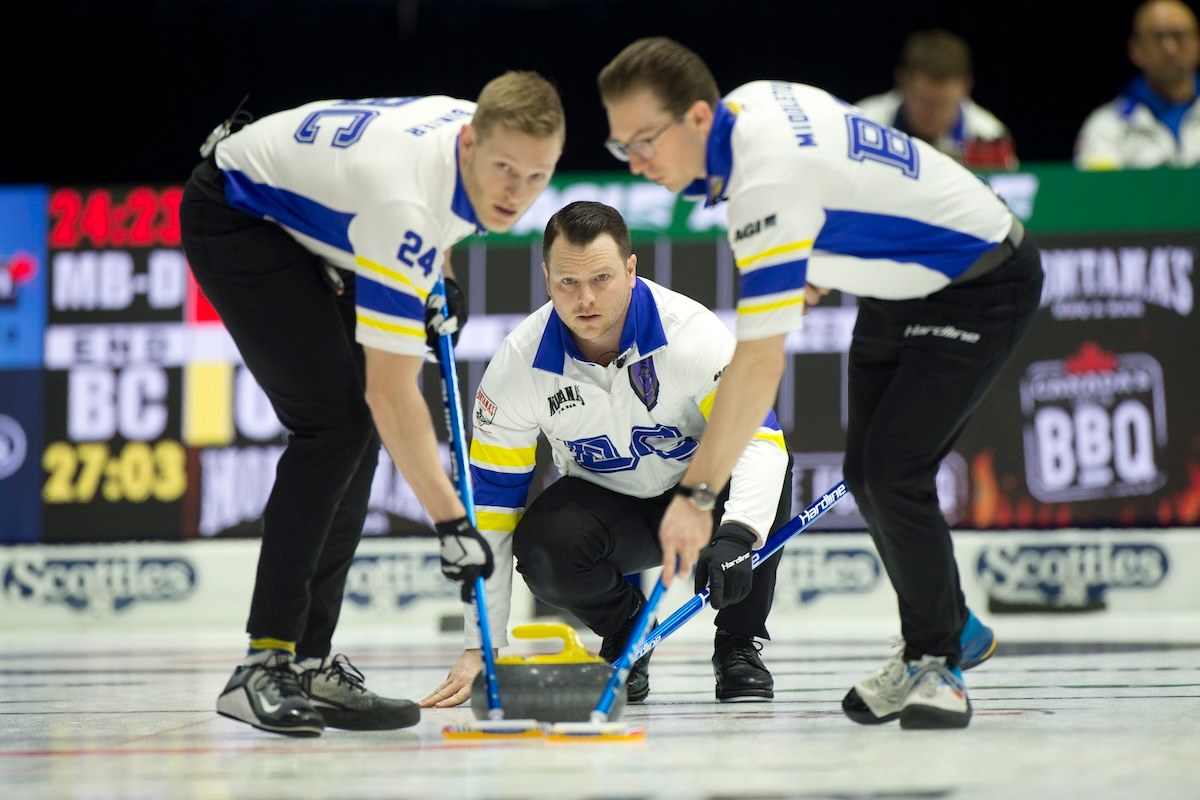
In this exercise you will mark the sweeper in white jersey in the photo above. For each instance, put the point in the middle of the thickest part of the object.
(947, 281)
(618, 373)
(318, 233)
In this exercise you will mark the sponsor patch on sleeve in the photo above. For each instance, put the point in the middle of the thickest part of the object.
(485, 409)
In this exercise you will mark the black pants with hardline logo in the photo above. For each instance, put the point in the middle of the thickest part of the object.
(918, 370)
(297, 338)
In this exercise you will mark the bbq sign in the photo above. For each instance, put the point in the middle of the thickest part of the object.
(1095, 425)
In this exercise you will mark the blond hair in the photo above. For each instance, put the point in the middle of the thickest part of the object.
(520, 101)
(675, 74)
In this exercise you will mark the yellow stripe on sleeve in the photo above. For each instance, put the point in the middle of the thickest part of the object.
(497, 520)
(503, 456)
(392, 275)
(390, 327)
(759, 308)
(775, 437)
(774, 251)
(707, 403)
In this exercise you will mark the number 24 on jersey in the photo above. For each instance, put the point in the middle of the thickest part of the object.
(411, 249)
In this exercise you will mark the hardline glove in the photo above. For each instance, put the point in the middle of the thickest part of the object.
(437, 323)
(726, 566)
(465, 554)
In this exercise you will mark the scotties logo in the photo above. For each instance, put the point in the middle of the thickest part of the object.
(98, 584)
(396, 580)
(835, 571)
(1058, 573)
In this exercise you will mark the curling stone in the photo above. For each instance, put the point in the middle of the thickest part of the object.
(549, 687)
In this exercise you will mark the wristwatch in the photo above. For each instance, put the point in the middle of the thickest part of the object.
(701, 496)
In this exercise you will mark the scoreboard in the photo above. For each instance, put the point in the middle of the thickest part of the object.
(125, 410)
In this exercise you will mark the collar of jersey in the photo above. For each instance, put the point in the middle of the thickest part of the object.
(718, 157)
(1138, 91)
(460, 204)
(643, 330)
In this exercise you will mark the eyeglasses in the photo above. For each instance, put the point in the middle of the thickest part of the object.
(642, 148)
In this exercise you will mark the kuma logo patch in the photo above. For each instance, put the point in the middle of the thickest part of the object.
(564, 398)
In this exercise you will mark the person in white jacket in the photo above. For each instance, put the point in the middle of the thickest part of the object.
(932, 101)
(619, 374)
(1155, 120)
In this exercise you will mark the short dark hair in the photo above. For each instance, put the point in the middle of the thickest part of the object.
(676, 75)
(937, 53)
(584, 221)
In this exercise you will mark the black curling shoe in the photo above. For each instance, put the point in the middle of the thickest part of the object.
(741, 675)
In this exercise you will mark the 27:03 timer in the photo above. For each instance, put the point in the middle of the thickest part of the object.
(140, 471)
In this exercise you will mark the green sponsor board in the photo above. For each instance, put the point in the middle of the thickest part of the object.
(1048, 197)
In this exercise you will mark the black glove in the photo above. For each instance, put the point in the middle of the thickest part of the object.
(465, 554)
(437, 323)
(725, 565)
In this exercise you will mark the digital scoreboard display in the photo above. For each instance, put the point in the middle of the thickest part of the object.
(125, 410)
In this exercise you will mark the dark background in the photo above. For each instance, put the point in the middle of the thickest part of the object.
(126, 90)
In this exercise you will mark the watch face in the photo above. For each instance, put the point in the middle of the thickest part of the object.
(702, 497)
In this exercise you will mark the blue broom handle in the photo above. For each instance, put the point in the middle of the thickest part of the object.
(624, 664)
(460, 467)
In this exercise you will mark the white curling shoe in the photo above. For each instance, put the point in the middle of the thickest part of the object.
(936, 698)
(924, 694)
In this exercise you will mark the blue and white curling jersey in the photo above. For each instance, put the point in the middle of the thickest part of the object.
(818, 192)
(629, 428)
(370, 185)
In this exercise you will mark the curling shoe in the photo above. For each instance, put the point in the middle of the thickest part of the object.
(335, 688)
(880, 697)
(265, 693)
(740, 673)
(977, 641)
(937, 697)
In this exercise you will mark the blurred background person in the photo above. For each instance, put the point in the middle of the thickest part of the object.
(932, 101)
(1155, 120)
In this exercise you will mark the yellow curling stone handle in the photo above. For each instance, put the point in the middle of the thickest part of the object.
(573, 651)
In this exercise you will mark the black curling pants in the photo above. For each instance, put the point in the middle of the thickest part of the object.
(297, 338)
(577, 541)
(918, 370)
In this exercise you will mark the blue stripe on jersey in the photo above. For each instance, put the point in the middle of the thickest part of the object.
(643, 327)
(785, 277)
(771, 422)
(718, 155)
(501, 489)
(865, 235)
(375, 296)
(288, 208)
